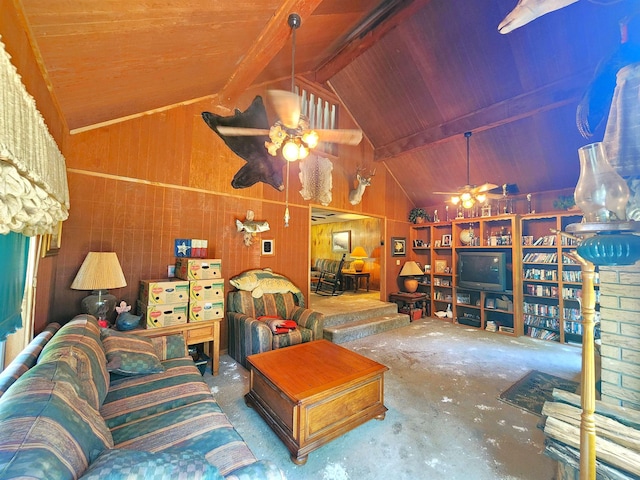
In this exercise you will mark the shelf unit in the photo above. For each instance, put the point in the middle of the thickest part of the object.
(552, 283)
(438, 244)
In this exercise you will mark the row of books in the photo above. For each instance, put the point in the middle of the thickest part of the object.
(533, 321)
(572, 314)
(539, 257)
(541, 309)
(542, 290)
(541, 274)
(543, 334)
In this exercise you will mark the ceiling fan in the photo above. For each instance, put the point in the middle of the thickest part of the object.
(470, 194)
(291, 133)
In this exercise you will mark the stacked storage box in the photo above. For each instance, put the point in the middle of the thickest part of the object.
(164, 302)
(206, 287)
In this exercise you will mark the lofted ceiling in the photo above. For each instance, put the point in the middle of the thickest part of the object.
(414, 75)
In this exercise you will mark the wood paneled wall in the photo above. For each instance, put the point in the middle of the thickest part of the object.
(138, 185)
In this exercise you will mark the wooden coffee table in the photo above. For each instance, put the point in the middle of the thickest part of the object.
(314, 392)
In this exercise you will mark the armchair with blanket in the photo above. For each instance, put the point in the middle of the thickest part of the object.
(249, 329)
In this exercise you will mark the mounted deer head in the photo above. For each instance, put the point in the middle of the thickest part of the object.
(528, 10)
(355, 195)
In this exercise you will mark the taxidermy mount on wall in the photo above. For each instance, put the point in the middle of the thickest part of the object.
(260, 167)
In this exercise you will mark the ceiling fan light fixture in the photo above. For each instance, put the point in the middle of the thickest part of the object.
(465, 197)
(455, 200)
(481, 197)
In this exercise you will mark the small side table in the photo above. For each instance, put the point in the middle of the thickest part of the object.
(354, 277)
(410, 300)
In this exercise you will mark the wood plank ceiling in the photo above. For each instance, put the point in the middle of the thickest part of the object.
(415, 75)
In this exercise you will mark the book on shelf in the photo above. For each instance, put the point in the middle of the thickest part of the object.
(545, 241)
(540, 257)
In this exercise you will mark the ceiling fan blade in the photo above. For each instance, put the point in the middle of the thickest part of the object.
(446, 193)
(241, 131)
(344, 136)
(494, 196)
(484, 188)
(287, 107)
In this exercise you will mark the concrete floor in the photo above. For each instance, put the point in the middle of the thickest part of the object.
(444, 420)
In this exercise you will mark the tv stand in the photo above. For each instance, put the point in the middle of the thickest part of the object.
(439, 244)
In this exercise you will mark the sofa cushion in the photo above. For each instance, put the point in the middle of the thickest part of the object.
(126, 464)
(133, 398)
(78, 344)
(49, 429)
(129, 354)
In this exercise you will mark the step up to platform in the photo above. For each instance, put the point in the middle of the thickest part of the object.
(363, 327)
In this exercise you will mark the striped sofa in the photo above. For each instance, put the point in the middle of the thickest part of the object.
(249, 334)
(91, 403)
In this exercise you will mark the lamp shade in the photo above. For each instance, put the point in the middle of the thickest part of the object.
(99, 271)
(358, 253)
(410, 269)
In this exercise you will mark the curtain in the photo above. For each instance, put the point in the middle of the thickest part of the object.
(14, 249)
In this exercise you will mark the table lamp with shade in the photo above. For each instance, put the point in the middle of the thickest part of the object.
(410, 270)
(99, 272)
(358, 253)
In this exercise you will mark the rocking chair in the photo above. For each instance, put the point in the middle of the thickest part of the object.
(330, 283)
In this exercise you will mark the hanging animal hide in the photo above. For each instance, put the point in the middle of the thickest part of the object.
(315, 176)
(260, 167)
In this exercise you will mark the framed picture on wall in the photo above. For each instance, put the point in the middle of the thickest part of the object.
(341, 242)
(398, 246)
(51, 242)
(267, 247)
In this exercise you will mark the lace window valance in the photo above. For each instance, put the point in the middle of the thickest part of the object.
(34, 195)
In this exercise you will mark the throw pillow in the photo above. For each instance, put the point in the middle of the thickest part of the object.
(125, 464)
(129, 354)
(281, 326)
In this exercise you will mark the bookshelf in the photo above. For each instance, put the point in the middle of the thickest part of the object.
(552, 283)
(438, 245)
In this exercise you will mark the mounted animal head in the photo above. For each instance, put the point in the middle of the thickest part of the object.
(364, 180)
(528, 10)
(260, 167)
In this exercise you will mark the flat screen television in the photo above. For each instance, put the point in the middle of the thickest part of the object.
(482, 270)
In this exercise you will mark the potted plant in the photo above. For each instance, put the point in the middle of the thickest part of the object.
(417, 215)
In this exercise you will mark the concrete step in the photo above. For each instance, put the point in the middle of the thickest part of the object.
(340, 318)
(364, 327)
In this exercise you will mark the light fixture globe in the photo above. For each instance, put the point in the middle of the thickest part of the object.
(290, 151)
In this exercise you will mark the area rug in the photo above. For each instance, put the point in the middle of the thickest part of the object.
(535, 388)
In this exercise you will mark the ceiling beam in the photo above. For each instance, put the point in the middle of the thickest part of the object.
(373, 28)
(549, 97)
(270, 41)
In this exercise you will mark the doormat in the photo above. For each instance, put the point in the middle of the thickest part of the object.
(535, 388)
